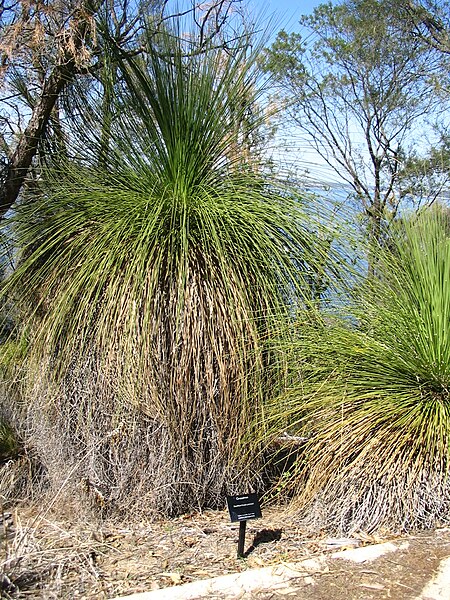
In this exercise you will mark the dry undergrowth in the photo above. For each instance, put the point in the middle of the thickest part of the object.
(52, 553)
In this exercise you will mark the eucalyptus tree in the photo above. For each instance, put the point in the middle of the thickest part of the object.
(356, 89)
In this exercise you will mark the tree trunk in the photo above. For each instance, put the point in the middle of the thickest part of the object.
(62, 74)
(375, 215)
(25, 151)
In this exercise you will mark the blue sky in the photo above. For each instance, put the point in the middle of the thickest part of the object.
(286, 12)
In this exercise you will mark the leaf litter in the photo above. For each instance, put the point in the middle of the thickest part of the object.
(56, 555)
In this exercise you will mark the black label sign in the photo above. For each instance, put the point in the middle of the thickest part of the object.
(244, 507)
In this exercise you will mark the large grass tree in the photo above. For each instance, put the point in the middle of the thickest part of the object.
(149, 281)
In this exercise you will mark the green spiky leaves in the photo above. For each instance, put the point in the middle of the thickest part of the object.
(374, 395)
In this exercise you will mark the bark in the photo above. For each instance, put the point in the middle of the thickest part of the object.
(22, 157)
(62, 74)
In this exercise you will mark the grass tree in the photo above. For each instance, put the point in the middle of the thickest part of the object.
(372, 397)
(149, 281)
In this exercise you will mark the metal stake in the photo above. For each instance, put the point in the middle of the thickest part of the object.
(241, 544)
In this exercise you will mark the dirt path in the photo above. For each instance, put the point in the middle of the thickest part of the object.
(415, 568)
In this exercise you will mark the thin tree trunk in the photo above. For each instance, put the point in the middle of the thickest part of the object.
(62, 74)
(25, 151)
(375, 230)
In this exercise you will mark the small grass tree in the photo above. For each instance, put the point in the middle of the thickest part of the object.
(372, 394)
(149, 283)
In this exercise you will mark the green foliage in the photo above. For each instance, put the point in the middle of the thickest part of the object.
(372, 393)
(425, 177)
(149, 280)
(427, 19)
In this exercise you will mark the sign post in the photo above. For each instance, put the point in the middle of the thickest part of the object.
(241, 543)
(242, 508)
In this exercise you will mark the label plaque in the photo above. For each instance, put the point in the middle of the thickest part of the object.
(244, 507)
